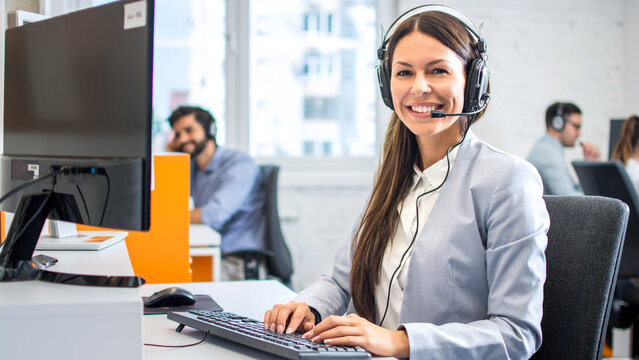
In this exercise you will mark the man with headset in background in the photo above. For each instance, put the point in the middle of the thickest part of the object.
(227, 190)
(563, 127)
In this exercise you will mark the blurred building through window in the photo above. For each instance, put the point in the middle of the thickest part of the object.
(311, 65)
(312, 78)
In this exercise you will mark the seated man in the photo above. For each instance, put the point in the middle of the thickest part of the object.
(227, 190)
(563, 127)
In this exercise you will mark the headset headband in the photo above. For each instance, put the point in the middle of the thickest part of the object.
(470, 26)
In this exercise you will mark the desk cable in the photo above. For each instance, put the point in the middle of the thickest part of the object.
(179, 346)
(65, 170)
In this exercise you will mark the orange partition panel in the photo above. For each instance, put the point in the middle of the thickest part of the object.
(161, 255)
(201, 268)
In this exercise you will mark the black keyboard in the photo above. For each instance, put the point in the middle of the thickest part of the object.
(250, 332)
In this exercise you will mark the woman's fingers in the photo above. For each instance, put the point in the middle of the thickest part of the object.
(301, 315)
(328, 324)
(288, 317)
(309, 325)
(338, 332)
(271, 317)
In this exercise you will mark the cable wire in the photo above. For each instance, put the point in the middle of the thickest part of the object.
(84, 202)
(401, 261)
(106, 200)
(27, 184)
(179, 346)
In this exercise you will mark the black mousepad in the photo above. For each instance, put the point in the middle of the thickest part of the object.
(203, 302)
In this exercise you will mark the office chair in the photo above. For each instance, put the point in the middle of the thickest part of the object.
(610, 179)
(277, 255)
(584, 249)
(279, 261)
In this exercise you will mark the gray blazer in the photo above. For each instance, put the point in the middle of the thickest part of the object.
(475, 280)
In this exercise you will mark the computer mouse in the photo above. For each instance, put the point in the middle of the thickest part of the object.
(173, 296)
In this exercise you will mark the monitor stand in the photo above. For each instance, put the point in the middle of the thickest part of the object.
(18, 248)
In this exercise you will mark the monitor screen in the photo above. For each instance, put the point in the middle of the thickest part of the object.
(77, 116)
(615, 131)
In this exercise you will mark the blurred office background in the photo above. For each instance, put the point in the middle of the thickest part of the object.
(293, 82)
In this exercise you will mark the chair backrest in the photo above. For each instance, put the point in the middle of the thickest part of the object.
(279, 260)
(582, 259)
(610, 179)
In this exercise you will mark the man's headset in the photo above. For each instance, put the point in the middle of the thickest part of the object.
(476, 95)
(211, 131)
(558, 123)
(208, 123)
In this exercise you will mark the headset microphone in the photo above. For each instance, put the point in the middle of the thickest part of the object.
(440, 114)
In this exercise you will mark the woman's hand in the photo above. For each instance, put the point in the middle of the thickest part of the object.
(353, 330)
(292, 316)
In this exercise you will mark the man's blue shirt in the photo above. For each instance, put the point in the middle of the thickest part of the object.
(231, 195)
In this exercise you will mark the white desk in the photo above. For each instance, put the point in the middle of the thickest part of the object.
(204, 241)
(40, 320)
(248, 298)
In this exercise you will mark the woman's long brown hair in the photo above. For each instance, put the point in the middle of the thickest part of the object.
(400, 152)
(628, 139)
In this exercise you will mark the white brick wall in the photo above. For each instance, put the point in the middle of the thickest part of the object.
(323, 219)
(539, 51)
(631, 58)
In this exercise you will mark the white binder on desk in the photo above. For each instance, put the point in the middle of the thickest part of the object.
(84, 240)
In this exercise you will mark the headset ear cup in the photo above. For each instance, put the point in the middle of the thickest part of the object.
(212, 131)
(383, 79)
(558, 123)
(476, 85)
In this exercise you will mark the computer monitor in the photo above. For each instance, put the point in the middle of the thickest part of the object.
(77, 124)
(615, 132)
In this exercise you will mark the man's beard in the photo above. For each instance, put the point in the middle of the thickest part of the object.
(199, 147)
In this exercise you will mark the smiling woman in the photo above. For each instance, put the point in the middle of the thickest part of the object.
(453, 229)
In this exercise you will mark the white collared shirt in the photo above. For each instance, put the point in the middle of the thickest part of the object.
(423, 181)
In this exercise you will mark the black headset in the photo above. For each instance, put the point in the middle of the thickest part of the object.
(476, 95)
(558, 122)
(206, 119)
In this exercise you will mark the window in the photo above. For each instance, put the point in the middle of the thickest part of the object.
(321, 108)
(325, 73)
(317, 148)
(317, 21)
(318, 64)
(327, 148)
(189, 62)
(275, 75)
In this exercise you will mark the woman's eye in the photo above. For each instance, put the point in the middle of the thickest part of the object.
(403, 73)
(440, 71)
